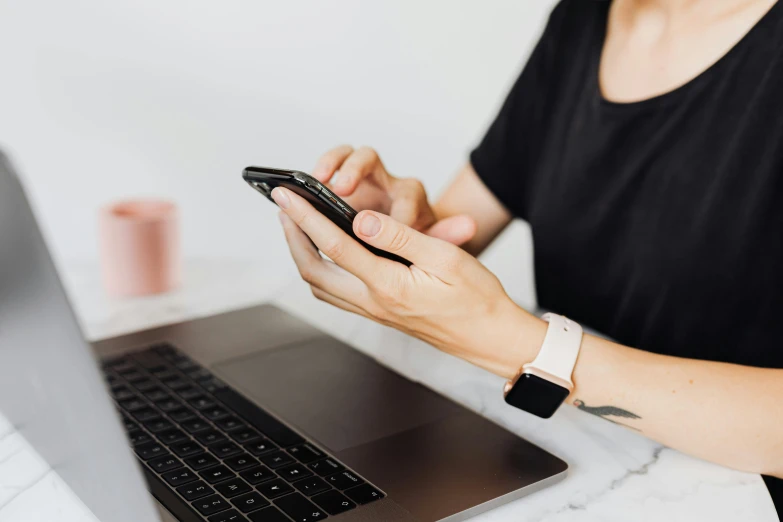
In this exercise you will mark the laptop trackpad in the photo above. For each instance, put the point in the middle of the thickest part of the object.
(332, 393)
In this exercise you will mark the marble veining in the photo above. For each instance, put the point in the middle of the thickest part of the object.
(615, 474)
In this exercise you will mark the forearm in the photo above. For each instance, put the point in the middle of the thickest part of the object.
(467, 194)
(724, 413)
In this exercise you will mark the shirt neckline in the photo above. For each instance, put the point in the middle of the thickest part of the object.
(697, 81)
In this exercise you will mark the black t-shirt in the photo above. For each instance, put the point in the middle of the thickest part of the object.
(658, 223)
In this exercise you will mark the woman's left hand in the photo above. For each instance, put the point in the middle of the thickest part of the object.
(446, 298)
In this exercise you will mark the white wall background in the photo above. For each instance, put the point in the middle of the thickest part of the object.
(105, 100)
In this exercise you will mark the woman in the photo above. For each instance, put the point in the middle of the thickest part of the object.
(643, 142)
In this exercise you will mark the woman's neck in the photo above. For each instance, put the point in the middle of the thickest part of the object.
(655, 46)
(676, 10)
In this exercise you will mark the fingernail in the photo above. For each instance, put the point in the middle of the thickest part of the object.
(281, 198)
(370, 225)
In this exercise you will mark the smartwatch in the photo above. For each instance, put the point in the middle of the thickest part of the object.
(542, 385)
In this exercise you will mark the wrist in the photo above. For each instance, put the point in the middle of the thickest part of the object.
(523, 335)
(542, 385)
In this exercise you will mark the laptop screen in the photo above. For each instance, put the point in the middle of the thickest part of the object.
(50, 386)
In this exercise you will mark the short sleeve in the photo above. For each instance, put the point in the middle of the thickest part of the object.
(508, 152)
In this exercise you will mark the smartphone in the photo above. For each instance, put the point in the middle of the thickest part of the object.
(265, 179)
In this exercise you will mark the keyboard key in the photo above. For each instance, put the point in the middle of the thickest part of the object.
(145, 385)
(241, 462)
(189, 393)
(111, 379)
(326, 467)
(181, 415)
(260, 447)
(211, 505)
(147, 359)
(133, 404)
(145, 414)
(171, 436)
(232, 515)
(174, 377)
(233, 487)
(124, 366)
(213, 385)
(244, 435)
(228, 422)
(185, 364)
(277, 460)
(195, 490)
(224, 449)
(218, 412)
(258, 418)
(164, 464)
(199, 462)
(201, 403)
(216, 474)
(129, 424)
(333, 502)
(270, 514)
(137, 437)
(169, 405)
(344, 480)
(177, 384)
(295, 472)
(311, 486)
(122, 393)
(305, 453)
(150, 450)
(210, 437)
(134, 377)
(165, 350)
(157, 370)
(166, 375)
(179, 477)
(300, 509)
(186, 448)
(156, 395)
(199, 374)
(195, 425)
(249, 502)
(274, 488)
(257, 475)
(364, 494)
(121, 365)
(158, 425)
(175, 356)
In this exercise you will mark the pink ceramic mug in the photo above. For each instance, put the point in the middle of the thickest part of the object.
(140, 250)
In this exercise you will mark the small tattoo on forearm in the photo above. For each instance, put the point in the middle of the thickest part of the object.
(608, 411)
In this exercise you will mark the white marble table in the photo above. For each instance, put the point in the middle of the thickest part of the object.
(615, 475)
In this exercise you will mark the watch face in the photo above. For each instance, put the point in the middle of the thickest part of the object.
(536, 395)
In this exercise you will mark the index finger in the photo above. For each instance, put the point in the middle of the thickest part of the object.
(330, 239)
(328, 164)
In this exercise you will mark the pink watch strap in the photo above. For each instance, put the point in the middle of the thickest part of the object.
(557, 357)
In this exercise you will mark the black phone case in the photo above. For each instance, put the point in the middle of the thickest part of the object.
(265, 179)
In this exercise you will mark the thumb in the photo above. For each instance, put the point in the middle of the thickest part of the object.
(457, 230)
(383, 232)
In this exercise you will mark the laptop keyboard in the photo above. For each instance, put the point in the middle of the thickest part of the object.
(226, 458)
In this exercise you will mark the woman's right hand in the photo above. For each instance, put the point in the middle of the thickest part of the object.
(359, 177)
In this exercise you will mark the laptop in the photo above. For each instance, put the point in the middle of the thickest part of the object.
(252, 415)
